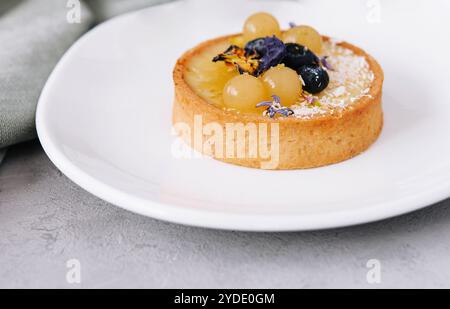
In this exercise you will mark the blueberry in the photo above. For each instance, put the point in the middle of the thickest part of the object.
(298, 55)
(316, 79)
(257, 45)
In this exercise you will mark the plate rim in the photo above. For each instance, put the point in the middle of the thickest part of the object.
(212, 218)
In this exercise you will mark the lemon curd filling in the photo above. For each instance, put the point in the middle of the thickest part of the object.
(350, 80)
(208, 78)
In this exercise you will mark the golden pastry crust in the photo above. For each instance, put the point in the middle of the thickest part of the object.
(303, 143)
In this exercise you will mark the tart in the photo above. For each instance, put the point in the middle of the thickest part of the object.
(249, 100)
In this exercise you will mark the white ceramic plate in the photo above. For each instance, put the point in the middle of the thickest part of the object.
(104, 119)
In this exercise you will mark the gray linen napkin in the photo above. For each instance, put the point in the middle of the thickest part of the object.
(34, 34)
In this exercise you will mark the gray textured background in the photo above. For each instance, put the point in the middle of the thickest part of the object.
(46, 220)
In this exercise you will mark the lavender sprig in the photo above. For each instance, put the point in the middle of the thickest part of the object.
(274, 107)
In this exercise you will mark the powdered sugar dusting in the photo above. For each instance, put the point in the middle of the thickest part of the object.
(349, 81)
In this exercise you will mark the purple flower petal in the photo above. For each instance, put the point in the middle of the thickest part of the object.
(326, 64)
(292, 25)
(276, 99)
(267, 103)
(274, 53)
(282, 112)
(285, 111)
(310, 99)
(272, 112)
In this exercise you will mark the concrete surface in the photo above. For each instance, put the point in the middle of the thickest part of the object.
(46, 220)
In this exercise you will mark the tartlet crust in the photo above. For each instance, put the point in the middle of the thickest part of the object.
(303, 143)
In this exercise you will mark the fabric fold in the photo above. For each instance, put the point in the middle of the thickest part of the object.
(34, 35)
